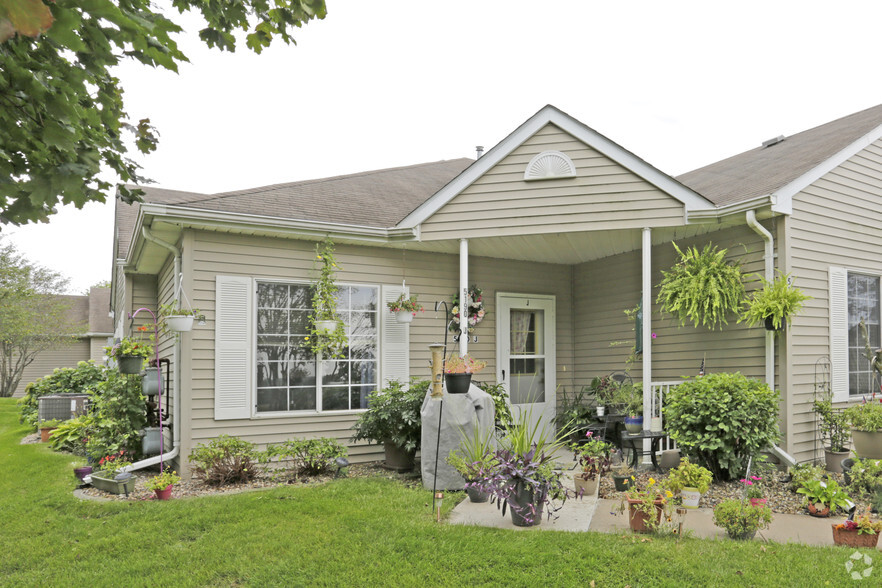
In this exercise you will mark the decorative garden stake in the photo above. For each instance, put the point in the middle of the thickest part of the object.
(439, 498)
(437, 350)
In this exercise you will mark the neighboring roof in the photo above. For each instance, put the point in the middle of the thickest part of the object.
(764, 170)
(99, 308)
(379, 198)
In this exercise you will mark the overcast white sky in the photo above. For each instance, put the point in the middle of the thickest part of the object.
(384, 84)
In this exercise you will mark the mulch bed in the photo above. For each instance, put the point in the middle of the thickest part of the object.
(781, 499)
(263, 481)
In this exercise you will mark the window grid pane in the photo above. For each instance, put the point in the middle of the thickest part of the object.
(288, 378)
(863, 304)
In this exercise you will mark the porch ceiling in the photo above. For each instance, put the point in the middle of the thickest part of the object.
(566, 248)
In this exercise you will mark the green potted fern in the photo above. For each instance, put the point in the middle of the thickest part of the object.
(702, 287)
(773, 304)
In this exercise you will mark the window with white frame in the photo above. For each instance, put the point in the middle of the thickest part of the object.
(289, 376)
(863, 305)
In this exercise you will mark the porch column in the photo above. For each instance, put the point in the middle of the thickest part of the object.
(646, 303)
(463, 296)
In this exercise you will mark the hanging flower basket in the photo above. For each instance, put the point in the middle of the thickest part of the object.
(405, 308)
(325, 327)
(180, 323)
(130, 364)
(404, 316)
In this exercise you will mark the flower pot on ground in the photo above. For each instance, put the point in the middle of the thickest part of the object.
(646, 507)
(834, 429)
(393, 417)
(823, 497)
(861, 532)
(82, 472)
(866, 433)
(833, 459)
(691, 481)
(46, 428)
(474, 458)
(740, 519)
(621, 475)
(593, 458)
(524, 479)
(162, 484)
(107, 482)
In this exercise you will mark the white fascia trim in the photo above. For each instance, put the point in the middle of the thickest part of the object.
(784, 204)
(195, 217)
(715, 214)
(549, 114)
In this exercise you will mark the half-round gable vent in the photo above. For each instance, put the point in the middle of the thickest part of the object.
(550, 165)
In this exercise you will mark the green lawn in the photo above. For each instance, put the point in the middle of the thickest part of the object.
(358, 532)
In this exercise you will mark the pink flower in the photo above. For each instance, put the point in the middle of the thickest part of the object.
(654, 335)
(589, 434)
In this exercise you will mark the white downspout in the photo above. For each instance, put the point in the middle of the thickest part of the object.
(176, 419)
(463, 296)
(769, 259)
(646, 304)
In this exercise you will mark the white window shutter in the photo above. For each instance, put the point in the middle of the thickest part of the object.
(232, 348)
(838, 278)
(394, 340)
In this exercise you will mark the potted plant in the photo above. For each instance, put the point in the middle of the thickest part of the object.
(474, 459)
(834, 431)
(131, 352)
(326, 331)
(393, 419)
(631, 397)
(46, 428)
(593, 458)
(823, 497)
(691, 481)
(605, 392)
(162, 484)
(458, 373)
(861, 532)
(114, 477)
(702, 287)
(405, 308)
(524, 480)
(175, 318)
(753, 491)
(866, 428)
(645, 507)
(622, 474)
(740, 519)
(774, 304)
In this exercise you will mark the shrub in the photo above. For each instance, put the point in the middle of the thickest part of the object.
(309, 456)
(72, 435)
(120, 414)
(82, 379)
(865, 417)
(393, 415)
(866, 477)
(722, 420)
(804, 472)
(739, 517)
(502, 409)
(225, 460)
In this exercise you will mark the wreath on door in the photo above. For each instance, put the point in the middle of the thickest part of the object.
(474, 313)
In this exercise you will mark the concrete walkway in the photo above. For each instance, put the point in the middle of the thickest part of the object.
(601, 515)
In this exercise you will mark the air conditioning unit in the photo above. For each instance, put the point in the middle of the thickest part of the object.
(62, 406)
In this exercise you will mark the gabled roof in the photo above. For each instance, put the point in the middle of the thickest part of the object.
(379, 198)
(555, 116)
(768, 170)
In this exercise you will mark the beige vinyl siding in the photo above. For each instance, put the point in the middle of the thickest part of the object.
(605, 288)
(431, 276)
(603, 195)
(836, 222)
(46, 362)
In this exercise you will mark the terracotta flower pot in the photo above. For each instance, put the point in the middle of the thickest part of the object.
(638, 518)
(45, 432)
(854, 539)
(165, 493)
(587, 487)
(818, 510)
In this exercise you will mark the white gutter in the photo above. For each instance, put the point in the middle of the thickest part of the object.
(176, 419)
(769, 259)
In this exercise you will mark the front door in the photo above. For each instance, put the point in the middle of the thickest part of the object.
(525, 355)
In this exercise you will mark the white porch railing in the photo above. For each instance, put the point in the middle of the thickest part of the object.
(657, 394)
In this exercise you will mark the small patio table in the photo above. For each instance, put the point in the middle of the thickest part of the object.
(655, 440)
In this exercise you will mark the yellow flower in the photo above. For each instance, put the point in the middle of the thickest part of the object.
(633, 478)
(334, 264)
(669, 494)
(651, 481)
(307, 339)
(318, 256)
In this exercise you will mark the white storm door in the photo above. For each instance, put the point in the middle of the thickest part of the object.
(525, 355)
